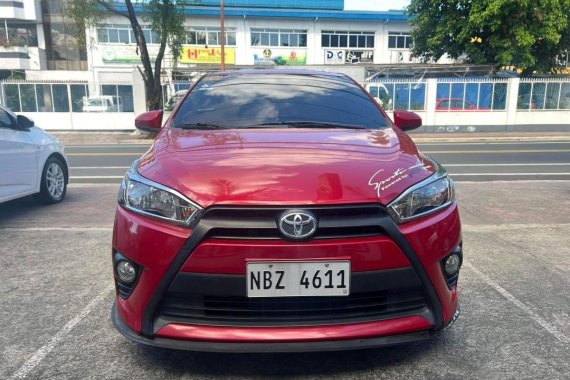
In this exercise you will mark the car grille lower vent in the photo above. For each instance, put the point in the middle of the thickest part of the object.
(203, 298)
(292, 310)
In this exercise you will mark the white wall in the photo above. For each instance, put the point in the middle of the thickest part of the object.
(83, 121)
(244, 52)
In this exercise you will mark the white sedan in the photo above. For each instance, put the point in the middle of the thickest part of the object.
(31, 161)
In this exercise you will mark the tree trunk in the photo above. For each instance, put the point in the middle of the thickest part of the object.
(153, 95)
(153, 89)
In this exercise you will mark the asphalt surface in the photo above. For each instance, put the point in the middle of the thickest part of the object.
(465, 160)
(56, 296)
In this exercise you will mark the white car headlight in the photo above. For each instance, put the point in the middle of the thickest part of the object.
(146, 197)
(426, 197)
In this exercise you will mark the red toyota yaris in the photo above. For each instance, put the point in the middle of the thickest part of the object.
(284, 211)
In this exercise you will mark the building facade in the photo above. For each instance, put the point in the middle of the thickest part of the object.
(22, 42)
(258, 33)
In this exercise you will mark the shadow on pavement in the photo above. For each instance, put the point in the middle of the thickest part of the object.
(281, 364)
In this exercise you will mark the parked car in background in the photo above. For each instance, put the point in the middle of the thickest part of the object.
(282, 210)
(456, 104)
(526, 102)
(381, 94)
(174, 99)
(31, 161)
(103, 103)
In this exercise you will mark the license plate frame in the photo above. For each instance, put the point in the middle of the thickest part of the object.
(286, 278)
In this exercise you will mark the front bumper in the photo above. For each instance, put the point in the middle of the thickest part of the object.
(168, 253)
(249, 346)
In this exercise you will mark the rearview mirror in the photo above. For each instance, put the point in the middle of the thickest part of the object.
(24, 122)
(149, 121)
(406, 120)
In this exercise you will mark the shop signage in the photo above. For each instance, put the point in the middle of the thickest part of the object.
(334, 57)
(359, 56)
(121, 54)
(207, 55)
(276, 56)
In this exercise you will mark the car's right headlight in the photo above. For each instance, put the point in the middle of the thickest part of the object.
(426, 197)
(143, 196)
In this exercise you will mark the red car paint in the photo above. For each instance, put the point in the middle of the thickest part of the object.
(297, 334)
(260, 167)
(290, 168)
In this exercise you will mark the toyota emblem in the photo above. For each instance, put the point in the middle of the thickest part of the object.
(297, 224)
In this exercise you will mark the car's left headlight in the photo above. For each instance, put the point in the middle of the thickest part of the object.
(426, 197)
(146, 197)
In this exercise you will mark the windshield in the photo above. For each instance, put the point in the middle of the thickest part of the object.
(272, 100)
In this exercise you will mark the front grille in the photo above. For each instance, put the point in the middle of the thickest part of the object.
(261, 223)
(222, 300)
(212, 309)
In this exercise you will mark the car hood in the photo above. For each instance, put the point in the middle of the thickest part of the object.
(285, 166)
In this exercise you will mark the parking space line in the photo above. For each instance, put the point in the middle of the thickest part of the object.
(508, 165)
(513, 151)
(97, 177)
(40, 354)
(507, 174)
(512, 299)
(47, 229)
(510, 227)
(123, 167)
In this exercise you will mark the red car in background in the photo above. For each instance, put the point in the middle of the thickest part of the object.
(457, 104)
(284, 211)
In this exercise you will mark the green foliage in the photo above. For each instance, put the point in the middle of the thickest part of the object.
(167, 20)
(84, 13)
(531, 35)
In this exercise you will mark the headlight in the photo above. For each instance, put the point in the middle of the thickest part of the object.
(428, 196)
(146, 197)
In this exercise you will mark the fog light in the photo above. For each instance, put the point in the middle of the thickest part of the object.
(126, 272)
(452, 264)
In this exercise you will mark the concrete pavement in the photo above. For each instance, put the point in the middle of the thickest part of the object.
(55, 265)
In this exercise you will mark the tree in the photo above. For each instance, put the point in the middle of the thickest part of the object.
(532, 35)
(165, 18)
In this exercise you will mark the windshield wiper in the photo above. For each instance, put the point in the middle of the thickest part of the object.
(203, 126)
(312, 124)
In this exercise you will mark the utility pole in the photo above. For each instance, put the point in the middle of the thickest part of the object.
(222, 36)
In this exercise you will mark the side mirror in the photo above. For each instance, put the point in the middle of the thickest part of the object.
(149, 121)
(24, 122)
(407, 121)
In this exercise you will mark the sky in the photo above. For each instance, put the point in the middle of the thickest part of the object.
(374, 5)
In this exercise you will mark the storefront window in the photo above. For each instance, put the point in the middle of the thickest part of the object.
(63, 49)
(344, 39)
(278, 37)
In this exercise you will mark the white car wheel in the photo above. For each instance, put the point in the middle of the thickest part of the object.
(54, 182)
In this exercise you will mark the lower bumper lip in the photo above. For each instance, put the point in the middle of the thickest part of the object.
(299, 339)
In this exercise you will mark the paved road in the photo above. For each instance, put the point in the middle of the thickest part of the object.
(466, 161)
(56, 295)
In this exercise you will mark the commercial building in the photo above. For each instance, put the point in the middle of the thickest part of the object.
(258, 33)
(60, 82)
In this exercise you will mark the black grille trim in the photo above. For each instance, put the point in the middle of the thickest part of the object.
(205, 224)
(222, 300)
(333, 222)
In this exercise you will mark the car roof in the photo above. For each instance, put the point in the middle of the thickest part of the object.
(328, 74)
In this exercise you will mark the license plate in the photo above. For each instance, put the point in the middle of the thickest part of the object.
(298, 278)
